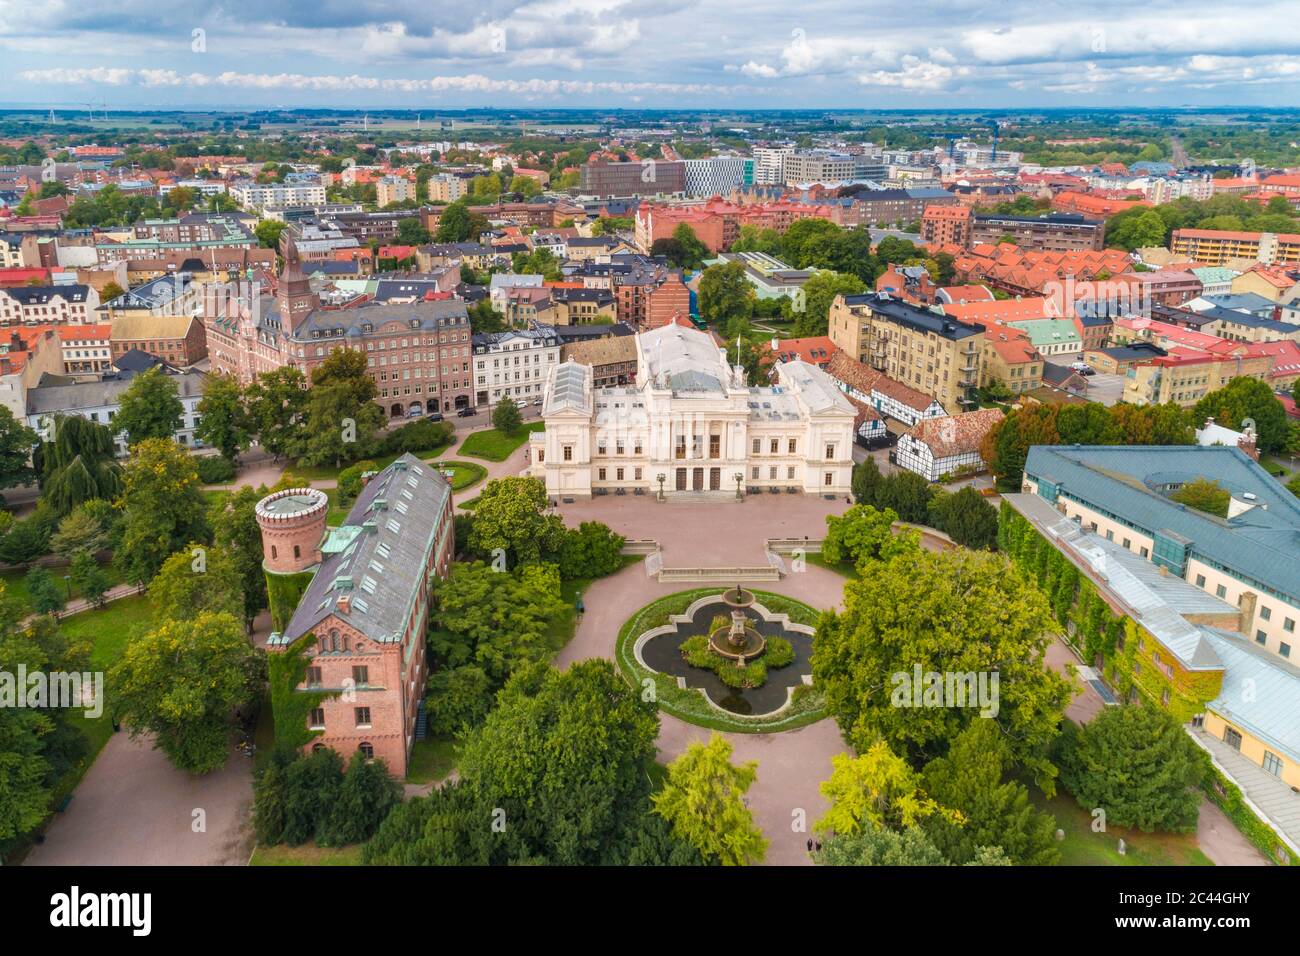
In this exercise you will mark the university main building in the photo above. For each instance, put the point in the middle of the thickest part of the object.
(692, 426)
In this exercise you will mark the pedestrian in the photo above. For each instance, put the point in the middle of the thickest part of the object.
(810, 845)
(818, 846)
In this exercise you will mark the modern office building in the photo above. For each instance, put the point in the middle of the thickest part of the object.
(718, 175)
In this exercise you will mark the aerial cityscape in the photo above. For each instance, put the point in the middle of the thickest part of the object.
(581, 436)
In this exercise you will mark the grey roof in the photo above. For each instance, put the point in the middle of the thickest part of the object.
(1260, 692)
(155, 293)
(684, 359)
(378, 555)
(1238, 317)
(815, 387)
(353, 322)
(569, 389)
(909, 316)
(1259, 546)
(1239, 302)
(41, 294)
(107, 391)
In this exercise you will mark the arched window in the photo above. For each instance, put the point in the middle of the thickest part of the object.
(317, 748)
(274, 553)
(297, 551)
(367, 749)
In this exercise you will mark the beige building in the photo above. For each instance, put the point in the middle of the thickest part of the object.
(922, 349)
(692, 426)
(447, 188)
(1187, 378)
(391, 189)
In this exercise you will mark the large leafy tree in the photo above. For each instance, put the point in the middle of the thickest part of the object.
(277, 403)
(907, 494)
(1242, 399)
(236, 531)
(877, 788)
(996, 810)
(811, 308)
(864, 534)
(162, 506)
(223, 421)
(1138, 765)
(876, 846)
(966, 517)
(497, 621)
(564, 757)
(955, 612)
(590, 551)
(182, 682)
(725, 294)
(196, 580)
(511, 517)
(150, 407)
(16, 444)
(704, 801)
(1006, 446)
(343, 421)
(78, 464)
(807, 243)
(506, 418)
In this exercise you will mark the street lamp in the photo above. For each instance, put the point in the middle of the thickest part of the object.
(662, 479)
(739, 478)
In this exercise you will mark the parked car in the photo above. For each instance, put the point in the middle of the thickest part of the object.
(434, 416)
(537, 403)
(466, 412)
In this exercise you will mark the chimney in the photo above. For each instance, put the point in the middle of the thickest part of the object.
(345, 604)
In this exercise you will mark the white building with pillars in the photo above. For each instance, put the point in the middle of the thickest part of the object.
(691, 426)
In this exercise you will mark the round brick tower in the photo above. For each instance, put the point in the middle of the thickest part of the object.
(293, 524)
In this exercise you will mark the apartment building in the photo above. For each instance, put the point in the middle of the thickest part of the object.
(446, 188)
(1184, 376)
(391, 189)
(769, 164)
(1215, 247)
(648, 178)
(514, 364)
(72, 304)
(254, 195)
(1055, 232)
(828, 166)
(922, 349)
(947, 225)
(718, 175)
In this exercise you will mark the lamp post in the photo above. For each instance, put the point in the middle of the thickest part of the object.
(739, 478)
(662, 478)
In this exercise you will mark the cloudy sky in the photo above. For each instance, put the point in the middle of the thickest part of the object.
(641, 53)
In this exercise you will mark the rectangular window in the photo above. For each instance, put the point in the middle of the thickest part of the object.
(1261, 637)
(317, 719)
(1265, 613)
(830, 453)
(1221, 591)
(774, 445)
(757, 446)
(361, 676)
(794, 443)
(600, 474)
(568, 453)
(1284, 649)
(830, 478)
(363, 716)
(1232, 738)
(1288, 625)
(1200, 580)
(1272, 763)
(313, 677)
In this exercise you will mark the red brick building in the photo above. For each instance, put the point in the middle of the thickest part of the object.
(947, 225)
(363, 609)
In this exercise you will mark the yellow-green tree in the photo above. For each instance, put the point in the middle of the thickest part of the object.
(704, 802)
(876, 788)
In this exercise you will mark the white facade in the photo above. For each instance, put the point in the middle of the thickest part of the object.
(769, 164)
(101, 401)
(255, 195)
(514, 364)
(692, 426)
(718, 175)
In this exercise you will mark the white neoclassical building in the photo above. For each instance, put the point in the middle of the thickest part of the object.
(692, 426)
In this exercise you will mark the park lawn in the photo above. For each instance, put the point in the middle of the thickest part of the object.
(306, 855)
(432, 759)
(843, 568)
(331, 472)
(1083, 847)
(495, 445)
(464, 474)
(471, 504)
(215, 497)
(108, 630)
(15, 581)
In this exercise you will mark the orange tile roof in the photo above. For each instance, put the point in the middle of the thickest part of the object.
(956, 434)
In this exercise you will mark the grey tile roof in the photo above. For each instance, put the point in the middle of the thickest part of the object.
(72, 398)
(1260, 546)
(1260, 692)
(378, 555)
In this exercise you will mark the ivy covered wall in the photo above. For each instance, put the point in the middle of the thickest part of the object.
(291, 707)
(283, 592)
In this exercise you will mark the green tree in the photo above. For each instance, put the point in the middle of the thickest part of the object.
(506, 418)
(78, 465)
(342, 419)
(1246, 398)
(704, 801)
(812, 308)
(235, 530)
(966, 517)
(276, 407)
(956, 612)
(16, 444)
(864, 534)
(878, 789)
(996, 811)
(366, 795)
(88, 578)
(807, 243)
(458, 699)
(268, 232)
(162, 508)
(1138, 764)
(43, 591)
(873, 845)
(691, 251)
(725, 295)
(195, 581)
(511, 517)
(494, 620)
(866, 481)
(80, 531)
(590, 551)
(150, 407)
(454, 224)
(182, 682)
(907, 494)
(411, 233)
(563, 756)
(1204, 494)
(223, 422)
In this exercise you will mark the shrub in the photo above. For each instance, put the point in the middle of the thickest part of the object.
(459, 698)
(590, 551)
(413, 437)
(779, 653)
(753, 674)
(215, 469)
(697, 652)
